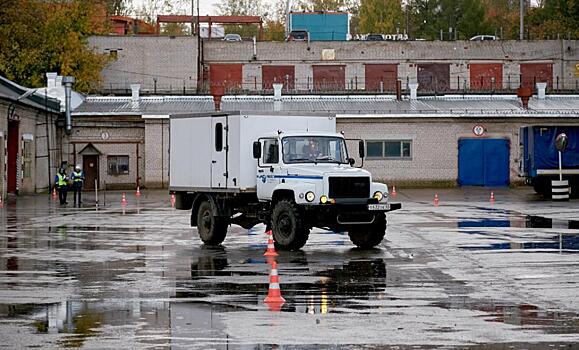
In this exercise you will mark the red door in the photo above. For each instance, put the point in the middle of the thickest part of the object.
(486, 76)
(278, 74)
(433, 77)
(532, 73)
(381, 76)
(329, 78)
(12, 161)
(228, 75)
(90, 166)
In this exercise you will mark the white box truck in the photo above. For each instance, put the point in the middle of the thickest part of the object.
(290, 172)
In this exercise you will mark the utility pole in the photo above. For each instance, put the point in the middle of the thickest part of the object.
(522, 20)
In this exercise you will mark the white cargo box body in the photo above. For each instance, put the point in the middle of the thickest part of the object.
(214, 152)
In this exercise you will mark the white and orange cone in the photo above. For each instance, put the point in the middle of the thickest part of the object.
(1, 202)
(124, 199)
(173, 200)
(436, 199)
(54, 194)
(394, 194)
(274, 298)
(270, 248)
(492, 197)
(138, 193)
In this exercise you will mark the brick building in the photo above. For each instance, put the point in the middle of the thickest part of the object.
(29, 139)
(169, 65)
(415, 140)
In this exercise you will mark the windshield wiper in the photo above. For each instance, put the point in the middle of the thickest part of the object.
(330, 158)
(298, 159)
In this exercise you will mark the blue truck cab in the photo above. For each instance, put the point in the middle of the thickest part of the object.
(539, 158)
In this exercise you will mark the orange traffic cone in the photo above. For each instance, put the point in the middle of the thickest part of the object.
(274, 298)
(394, 194)
(492, 197)
(138, 193)
(268, 232)
(1, 202)
(124, 199)
(54, 194)
(173, 200)
(270, 248)
(436, 199)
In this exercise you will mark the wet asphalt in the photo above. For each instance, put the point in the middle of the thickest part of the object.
(466, 273)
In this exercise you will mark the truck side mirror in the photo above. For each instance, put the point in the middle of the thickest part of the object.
(362, 149)
(561, 142)
(256, 149)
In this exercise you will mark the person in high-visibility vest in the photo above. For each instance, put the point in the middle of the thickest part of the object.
(77, 183)
(61, 183)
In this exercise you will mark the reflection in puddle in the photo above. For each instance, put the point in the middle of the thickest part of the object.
(560, 243)
(525, 315)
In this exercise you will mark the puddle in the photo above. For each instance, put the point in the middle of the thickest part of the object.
(527, 316)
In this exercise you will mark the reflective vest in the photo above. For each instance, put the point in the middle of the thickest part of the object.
(61, 179)
(77, 176)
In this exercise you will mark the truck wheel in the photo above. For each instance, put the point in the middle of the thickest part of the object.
(369, 236)
(289, 232)
(212, 229)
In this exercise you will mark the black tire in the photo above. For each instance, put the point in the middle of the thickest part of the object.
(211, 228)
(369, 236)
(289, 231)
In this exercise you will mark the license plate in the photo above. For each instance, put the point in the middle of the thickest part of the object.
(378, 206)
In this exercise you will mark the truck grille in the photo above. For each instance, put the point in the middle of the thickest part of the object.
(349, 187)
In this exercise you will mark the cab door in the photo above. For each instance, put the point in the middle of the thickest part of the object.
(219, 150)
(269, 170)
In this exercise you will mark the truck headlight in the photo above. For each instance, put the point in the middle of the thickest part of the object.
(378, 195)
(323, 199)
(310, 196)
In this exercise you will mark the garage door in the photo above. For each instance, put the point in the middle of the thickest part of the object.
(483, 162)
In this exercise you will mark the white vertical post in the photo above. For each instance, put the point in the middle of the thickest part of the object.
(560, 168)
(96, 192)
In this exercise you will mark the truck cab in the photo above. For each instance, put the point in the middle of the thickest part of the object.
(312, 175)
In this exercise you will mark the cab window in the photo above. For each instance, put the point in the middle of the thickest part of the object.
(270, 151)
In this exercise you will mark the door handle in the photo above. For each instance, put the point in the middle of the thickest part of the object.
(213, 161)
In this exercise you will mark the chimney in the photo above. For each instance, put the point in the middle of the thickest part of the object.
(68, 81)
(58, 81)
(217, 91)
(541, 87)
(398, 90)
(525, 94)
(413, 90)
(51, 80)
(277, 91)
(135, 88)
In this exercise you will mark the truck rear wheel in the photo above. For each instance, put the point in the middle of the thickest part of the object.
(212, 229)
(289, 231)
(369, 236)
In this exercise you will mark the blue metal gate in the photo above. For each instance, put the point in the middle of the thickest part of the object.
(483, 162)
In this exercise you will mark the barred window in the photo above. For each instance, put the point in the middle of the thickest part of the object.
(389, 149)
(118, 165)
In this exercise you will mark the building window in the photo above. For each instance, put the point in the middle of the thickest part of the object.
(389, 149)
(27, 159)
(118, 165)
(218, 137)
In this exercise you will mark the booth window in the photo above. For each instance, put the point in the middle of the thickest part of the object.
(118, 165)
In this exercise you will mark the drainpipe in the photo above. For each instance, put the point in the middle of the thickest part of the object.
(541, 87)
(277, 91)
(68, 81)
(413, 90)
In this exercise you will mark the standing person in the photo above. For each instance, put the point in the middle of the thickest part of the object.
(77, 183)
(61, 183)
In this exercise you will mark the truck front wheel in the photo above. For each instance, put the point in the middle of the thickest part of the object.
(212, 229)
(289, 231)
(369, 236)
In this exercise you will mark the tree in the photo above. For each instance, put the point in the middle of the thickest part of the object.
(380, 16)
(175, 29)
(240, 8)
(38, 37)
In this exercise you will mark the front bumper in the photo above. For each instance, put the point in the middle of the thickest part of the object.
(347, 212)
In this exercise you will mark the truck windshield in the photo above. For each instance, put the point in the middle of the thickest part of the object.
(314, 149)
